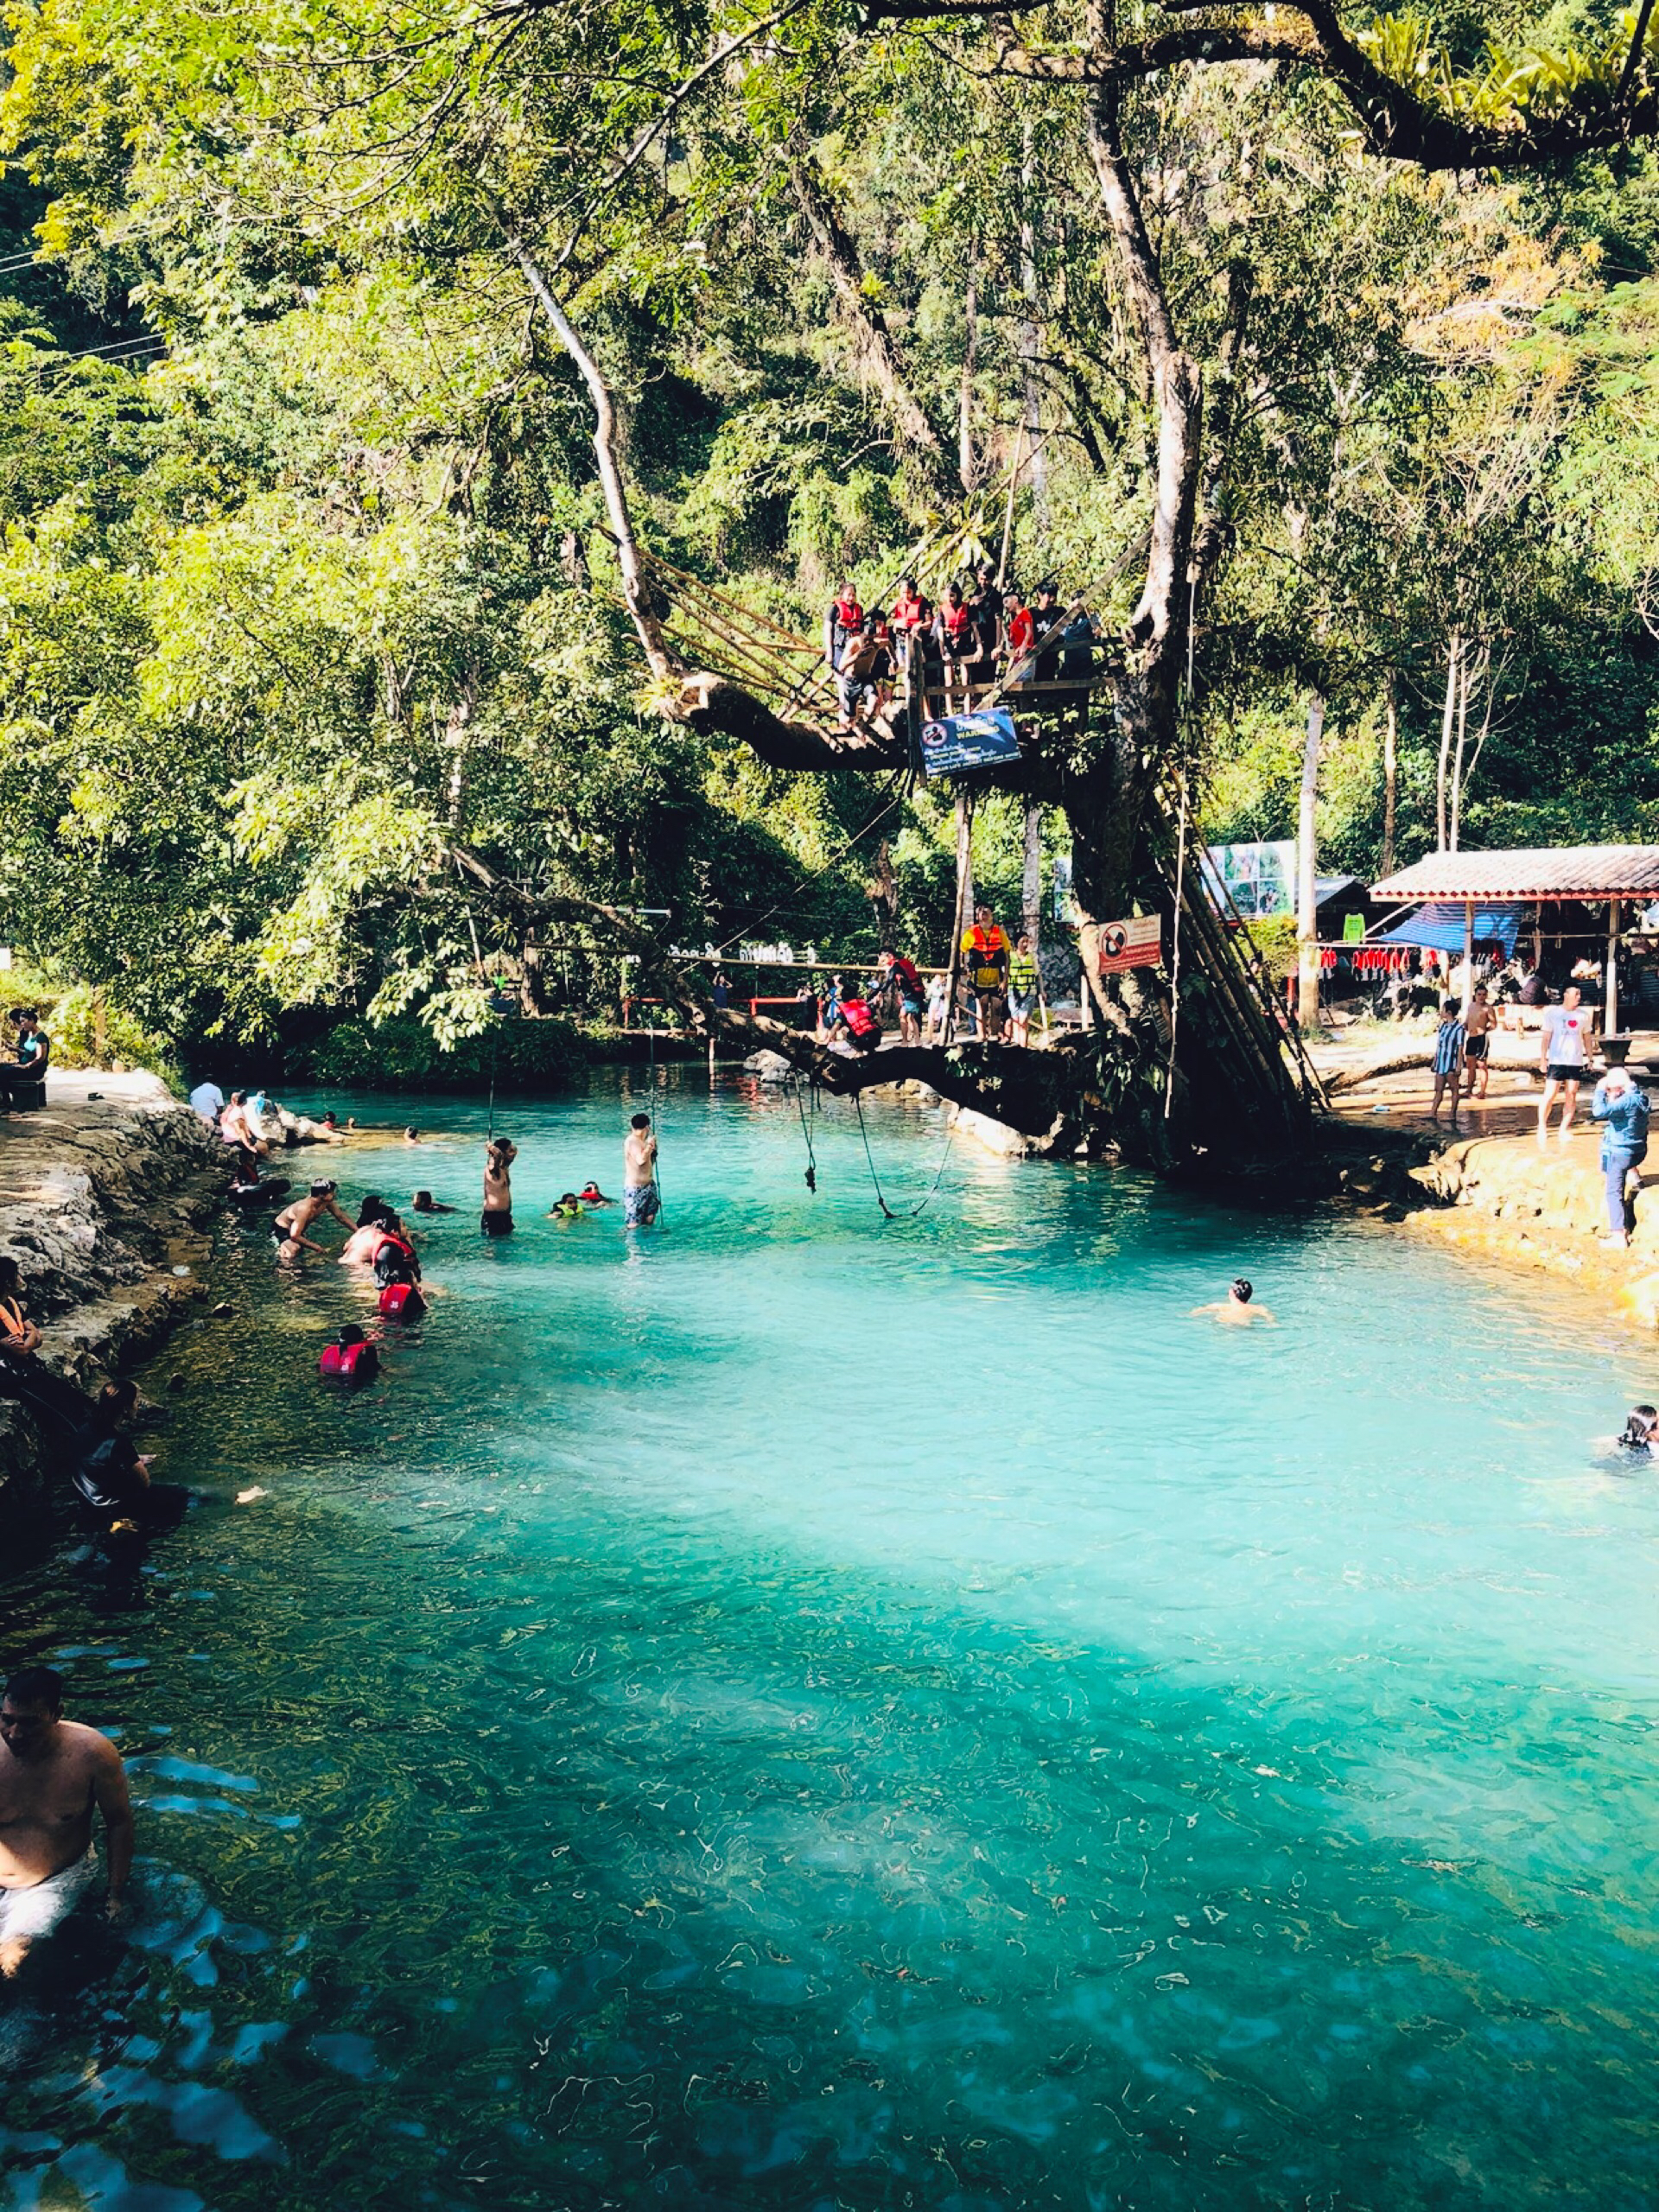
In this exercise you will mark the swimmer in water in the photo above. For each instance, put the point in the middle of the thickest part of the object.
(568, 1208)
(360, 1247)
(1641, 1432)
(289, 1227)
(423, 1201)
(411, 1134)
(1237, 1309)
(592, 1196)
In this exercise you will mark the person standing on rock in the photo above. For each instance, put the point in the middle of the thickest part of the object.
(1621, 1106)
(1481, 1022)
(53, 1775)
(1561, 1054)
(1449, 1047)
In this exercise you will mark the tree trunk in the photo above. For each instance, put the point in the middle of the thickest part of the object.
(1390, 770)
(967, 467)
(1453, 655)
(1457, 757)
(1307, 910)
(878, 355)
(1030, 335)
(1031, 878)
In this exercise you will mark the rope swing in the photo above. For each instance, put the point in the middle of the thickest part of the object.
(928, 1196)
(811, 1179)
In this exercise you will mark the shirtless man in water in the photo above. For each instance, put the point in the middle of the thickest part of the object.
(641, 1201)
(290, 1225)
(53, 1772)
(1236, 1309)
(496, 1220)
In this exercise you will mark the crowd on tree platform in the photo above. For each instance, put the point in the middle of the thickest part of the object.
(978, 637)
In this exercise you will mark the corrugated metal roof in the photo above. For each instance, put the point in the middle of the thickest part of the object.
(1550, 872)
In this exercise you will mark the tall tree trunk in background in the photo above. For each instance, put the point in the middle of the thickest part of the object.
(1455, 807)
(1448, 719)
(1390, 770)
(1031, 878)
(878, 356)
(1307, 909)
(967, 466)
(1031, 343)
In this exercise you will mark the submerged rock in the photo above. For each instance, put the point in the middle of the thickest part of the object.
(770, 1067)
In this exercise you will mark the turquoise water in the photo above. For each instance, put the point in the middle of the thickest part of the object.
(794, 1710)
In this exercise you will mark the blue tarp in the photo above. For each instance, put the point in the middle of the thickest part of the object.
(1442, 927)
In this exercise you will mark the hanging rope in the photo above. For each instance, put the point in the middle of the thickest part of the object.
(928, 1195)
(1175, 952)
(811, 1177)
(657, 1164)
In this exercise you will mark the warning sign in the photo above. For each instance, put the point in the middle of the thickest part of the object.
(1137, 943)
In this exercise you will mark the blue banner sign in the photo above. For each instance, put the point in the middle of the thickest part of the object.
(982, 741)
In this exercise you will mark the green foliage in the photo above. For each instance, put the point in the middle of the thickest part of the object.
(401, 1054)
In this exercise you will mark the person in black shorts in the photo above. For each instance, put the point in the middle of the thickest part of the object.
(1481, 1021)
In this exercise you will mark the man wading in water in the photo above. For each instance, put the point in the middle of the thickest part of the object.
(641, 1201)
(497, 1217)
(53, 1772)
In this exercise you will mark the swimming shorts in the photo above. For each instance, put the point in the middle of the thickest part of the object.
(26, 1915)
(1020, 1003)
(496, 1221)
(641, 1204)
(1565, 1072)
(1474, 1047)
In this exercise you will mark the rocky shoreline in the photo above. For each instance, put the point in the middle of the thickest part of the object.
(106, 1193)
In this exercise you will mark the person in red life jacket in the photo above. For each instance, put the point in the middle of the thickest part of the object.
(591, 1195)
(1022, 636)
(350, 1359)
(902, 985)
(912, 617)
(843, 625)
(957, 637)
(989, 952)
(394, 1258)
(855, 1021)
(401, 1301)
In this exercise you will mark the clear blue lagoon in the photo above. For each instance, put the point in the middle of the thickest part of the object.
(796, 1711)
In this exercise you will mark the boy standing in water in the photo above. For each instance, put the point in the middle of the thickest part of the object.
(496, 1220)
(641, 1201)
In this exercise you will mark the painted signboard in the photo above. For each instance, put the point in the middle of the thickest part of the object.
(962, 741)
(1261, 878)
(1136, 942)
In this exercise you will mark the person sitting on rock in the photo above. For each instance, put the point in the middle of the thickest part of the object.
(18, 1334)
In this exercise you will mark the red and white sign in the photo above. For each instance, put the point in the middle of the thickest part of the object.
(1137, 943)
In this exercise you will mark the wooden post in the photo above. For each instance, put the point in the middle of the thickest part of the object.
(1468, 957)
(1609, 995)
(964, 906)
(1308, 911)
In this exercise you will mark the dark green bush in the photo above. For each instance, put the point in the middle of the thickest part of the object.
(401, 1055)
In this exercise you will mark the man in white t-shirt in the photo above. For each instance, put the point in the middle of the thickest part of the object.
(1562, 1051)
(208, 1100)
